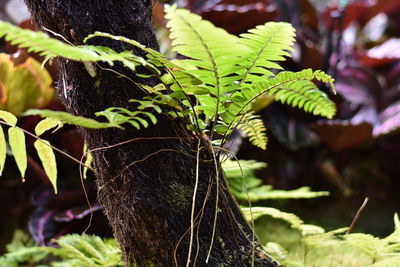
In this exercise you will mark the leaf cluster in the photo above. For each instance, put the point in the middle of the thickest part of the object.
(217, 82)
(57, 119)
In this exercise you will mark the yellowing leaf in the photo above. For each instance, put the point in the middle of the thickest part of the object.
(8, 117)
(88, 161)
(47, 124)
(3, 150)
(48, 159)
(16, 139)
(23, 86)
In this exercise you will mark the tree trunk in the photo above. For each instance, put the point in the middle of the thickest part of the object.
(146, 185)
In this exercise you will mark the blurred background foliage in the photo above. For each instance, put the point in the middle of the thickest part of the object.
(353, 156)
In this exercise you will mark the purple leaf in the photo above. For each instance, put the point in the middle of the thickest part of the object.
(389, 120)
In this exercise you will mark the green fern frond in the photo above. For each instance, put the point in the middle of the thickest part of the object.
(41, 43)
(177, 81)
(67, 118)
(255, 130)
(115, 116)
(44, 45)
(293, 88)
(247, 187)
(88, 251)
(298, 90)
(269, 43)
(212, 50)
(138, 118)
(257, 212)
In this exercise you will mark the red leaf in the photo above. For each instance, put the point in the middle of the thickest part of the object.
(342, 134)
(236, 16)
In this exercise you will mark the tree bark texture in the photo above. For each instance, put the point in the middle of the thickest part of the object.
(146, 186)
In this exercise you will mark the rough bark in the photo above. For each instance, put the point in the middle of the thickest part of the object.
(146, 186)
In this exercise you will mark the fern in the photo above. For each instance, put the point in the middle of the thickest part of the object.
(22, 249)
(42, 44)
(213, 88)
(293, 88)
(212, 50)
(72, 251)
(255, 130)
(292, 242)
(247, 187)
(269, 43)
(123, 115)
(87, 251)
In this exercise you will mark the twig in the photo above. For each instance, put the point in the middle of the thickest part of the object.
(360, 210)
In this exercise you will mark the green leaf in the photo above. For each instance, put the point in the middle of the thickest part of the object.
(68, 118)
(16, 139)
(8, 117)
(3, 150)
(48, 159)
(47, 124)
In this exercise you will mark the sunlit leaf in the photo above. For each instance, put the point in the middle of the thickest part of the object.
(3, 150)
(8, 117)
(47, 124)
(48, 159)
(88, 161)
(16, 139)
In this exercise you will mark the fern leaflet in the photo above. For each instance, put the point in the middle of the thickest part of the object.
(269, 43)
(255, 130)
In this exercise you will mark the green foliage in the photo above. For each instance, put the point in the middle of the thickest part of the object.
(269, 43)
(22, 251)
(253, 126)
(233, 78)
(296, 244)
(16, 140)
(72, 251)
(247, 187)
(87, 251)
(215, 87)
(42, 44)
(286, 237)
(67, 118)
(116, 117)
